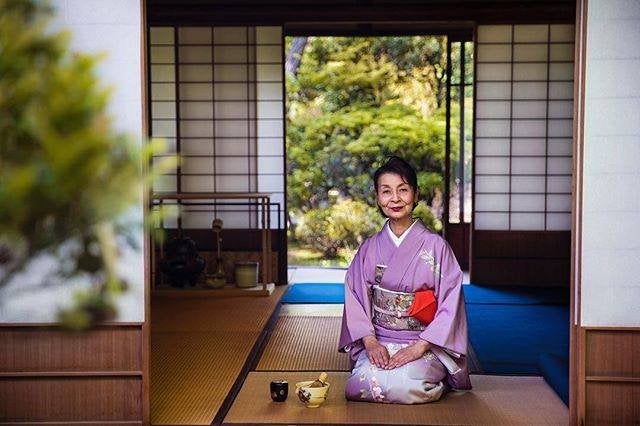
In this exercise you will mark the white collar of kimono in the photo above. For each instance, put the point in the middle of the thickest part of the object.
(398, 240)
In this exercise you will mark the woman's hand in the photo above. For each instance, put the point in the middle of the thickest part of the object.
(408, 354)
(376, 352)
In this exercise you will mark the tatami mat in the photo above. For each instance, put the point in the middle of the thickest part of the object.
(198, 349)
(306, 338)
(213, 314)
(495, 400)
(192, 373)
(315, 310)
(304, 344)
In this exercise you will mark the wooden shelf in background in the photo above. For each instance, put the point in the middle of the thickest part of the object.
(264, 201)
(229, 290)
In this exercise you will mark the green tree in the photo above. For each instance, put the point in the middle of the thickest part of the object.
(355, 101)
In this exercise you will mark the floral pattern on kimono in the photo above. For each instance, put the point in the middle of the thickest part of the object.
(405, 385)
(428, 257)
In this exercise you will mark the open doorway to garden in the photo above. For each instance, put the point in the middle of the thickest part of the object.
(352, 101)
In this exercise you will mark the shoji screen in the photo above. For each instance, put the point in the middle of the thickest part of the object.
(523, 132)
(217, 97)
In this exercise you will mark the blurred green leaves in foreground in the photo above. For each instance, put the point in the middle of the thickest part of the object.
(68, 180)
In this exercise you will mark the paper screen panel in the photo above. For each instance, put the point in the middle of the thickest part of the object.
(496, 109)
(528, 184)
(523, 124)
(217, 95)
(527, 202)
(492, 184)
(528, 147)
(492, 202)
(527, 221)
(488, 146)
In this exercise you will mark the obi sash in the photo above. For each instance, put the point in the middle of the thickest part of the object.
(391, 310)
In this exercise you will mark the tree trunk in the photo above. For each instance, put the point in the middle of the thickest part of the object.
(295, 54)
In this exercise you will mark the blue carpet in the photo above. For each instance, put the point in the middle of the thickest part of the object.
(314, 293)
(511, 295)
(555, 371)
(508, 339)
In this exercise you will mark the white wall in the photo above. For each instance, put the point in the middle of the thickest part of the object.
(611, 204)
(112, 27)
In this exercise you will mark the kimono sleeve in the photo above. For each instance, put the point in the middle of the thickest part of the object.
(356, 316)
(449, 326)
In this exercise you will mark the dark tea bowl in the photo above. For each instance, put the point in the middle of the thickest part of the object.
(279, 390)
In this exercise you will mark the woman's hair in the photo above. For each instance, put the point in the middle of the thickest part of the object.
(400, 167)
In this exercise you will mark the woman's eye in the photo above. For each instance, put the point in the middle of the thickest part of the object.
(403, 190)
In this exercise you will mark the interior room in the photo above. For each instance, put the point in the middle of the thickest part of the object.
(217, 95)
(538, 158)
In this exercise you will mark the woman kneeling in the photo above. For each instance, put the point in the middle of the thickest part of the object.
(404, 323)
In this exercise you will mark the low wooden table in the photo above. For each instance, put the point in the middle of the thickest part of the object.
(496, 400)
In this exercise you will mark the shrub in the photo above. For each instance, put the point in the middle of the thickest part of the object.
(424, 213)
(341, 226)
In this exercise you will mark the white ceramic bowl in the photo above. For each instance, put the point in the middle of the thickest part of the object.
(311, 397)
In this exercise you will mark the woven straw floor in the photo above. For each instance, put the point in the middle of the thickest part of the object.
(301, 343)
(305, 338)
(495, 400)
(198, 348)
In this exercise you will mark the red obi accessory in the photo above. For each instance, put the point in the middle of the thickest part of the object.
(424, 306)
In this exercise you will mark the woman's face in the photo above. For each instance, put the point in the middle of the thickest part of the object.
(395, 196)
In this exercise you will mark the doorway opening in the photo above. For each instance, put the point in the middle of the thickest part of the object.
(353, 98)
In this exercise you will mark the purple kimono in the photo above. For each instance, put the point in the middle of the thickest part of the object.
(423, 260)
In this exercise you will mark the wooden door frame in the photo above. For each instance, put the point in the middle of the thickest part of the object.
(576, 392)
(146, 325)
(576, 348)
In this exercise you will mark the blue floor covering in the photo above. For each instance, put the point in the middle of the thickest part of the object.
(314, 293)
(515, 295)
(510, 328)
(509, 339)
(555, 370)
(521, 331)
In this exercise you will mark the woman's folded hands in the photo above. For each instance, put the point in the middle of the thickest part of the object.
(376, 352)
(408, 354)
(379, 355)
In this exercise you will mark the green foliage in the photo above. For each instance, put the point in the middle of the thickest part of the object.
(341, 226)
(353, 102)
(342, 150)
(373, 70)
(66, 177)
(422, 212)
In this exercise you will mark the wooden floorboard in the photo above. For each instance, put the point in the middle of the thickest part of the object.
(495, 400)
